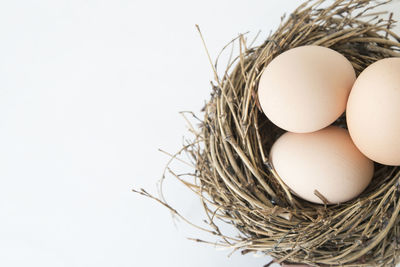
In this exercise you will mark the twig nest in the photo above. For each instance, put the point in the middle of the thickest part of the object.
(234, 169)
(233, 173)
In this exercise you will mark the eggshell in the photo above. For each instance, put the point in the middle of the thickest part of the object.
(305, 88)
(326, 161)
(373, 111)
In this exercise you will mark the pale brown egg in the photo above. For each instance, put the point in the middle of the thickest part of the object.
(305, 88)
(373, 111)
(326, 161)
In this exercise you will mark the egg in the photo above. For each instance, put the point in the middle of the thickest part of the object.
(305, 88)
(326, 161)
(373, 111)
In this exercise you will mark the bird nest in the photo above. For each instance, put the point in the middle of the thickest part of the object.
(235, 180)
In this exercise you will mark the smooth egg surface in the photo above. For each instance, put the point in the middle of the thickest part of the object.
(305, 88)
(373, 111)
(326, 161)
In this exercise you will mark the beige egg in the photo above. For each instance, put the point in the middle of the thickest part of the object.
(326, 161)
(305, 88)
(373, 111)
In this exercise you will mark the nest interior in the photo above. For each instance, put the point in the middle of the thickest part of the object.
(238, 186)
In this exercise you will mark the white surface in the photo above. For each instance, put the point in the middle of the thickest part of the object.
(89, 90)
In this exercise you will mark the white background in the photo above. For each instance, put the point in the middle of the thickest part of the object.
(89, 90)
